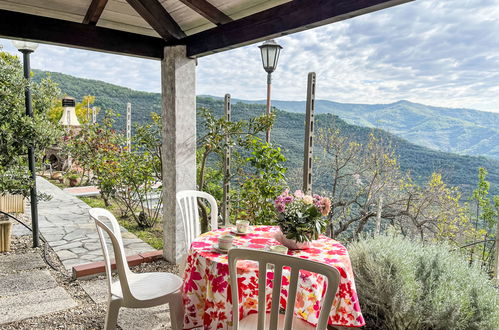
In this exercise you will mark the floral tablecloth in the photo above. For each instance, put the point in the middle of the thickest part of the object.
(207, 298)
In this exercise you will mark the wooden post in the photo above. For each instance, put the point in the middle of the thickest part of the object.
(378, 215)
(226, 166)
(5, 235)
(178, 81)
(309, 135)
(94, 115)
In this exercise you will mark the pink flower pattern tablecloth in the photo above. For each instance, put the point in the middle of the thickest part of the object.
(207, 297)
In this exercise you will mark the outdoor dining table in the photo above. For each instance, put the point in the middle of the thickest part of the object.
(206, 291)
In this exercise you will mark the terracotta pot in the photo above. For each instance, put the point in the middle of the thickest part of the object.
(5, 235)
(56, 175)
(74, 182)
(291, 243)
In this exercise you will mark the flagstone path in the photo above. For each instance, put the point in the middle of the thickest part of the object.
(65, 224)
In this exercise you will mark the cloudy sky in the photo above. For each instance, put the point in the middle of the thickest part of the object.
(443, 53)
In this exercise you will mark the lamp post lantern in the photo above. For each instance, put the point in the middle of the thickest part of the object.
(270, 55)
(27, 48)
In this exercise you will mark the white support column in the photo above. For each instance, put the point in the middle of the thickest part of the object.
(178, 81)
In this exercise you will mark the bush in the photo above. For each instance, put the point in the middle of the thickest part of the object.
(403, 284)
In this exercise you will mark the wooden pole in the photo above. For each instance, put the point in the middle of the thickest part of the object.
(226, 166)
(378, 215)
(308, 148)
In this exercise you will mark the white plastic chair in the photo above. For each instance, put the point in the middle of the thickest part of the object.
(287, 321)
(135, 290)
(188, 203)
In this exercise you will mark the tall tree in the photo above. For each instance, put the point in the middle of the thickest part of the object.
(18, 131)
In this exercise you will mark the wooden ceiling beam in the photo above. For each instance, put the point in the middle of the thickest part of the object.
(17, 25)
(290, 17)
(208, 11)
(158, 18)
(94, 12)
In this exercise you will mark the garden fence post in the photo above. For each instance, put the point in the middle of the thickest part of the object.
(309, 135)
(226, 166)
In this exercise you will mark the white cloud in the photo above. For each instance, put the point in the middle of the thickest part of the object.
(442, 53)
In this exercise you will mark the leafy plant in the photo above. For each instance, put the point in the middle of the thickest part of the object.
(302, 217)
(18, 131)
(404, 284)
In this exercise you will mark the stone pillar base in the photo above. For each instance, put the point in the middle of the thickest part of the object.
(5, 235)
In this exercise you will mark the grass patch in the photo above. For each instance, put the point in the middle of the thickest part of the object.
(152, 236)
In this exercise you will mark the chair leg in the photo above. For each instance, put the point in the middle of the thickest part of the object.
(113, 309)
(177, 311)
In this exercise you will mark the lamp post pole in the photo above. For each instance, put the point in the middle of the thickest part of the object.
(26, 49)
(270, 51)
(31, 150)
(269, 87)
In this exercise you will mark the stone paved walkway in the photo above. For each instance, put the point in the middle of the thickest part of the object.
(66, 225)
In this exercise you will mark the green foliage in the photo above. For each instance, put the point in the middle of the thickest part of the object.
(486, 212)
(406, 285)
(258, 170)
(129, 177)
(259, 182)
(17, 131)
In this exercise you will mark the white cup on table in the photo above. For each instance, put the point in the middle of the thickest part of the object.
(225, 241)
(242, 226)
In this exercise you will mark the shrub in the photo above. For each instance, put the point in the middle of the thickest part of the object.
(403, 284)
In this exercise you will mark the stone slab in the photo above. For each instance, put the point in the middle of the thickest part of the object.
(96, 289)
(14, 263)
(34, 280)
(145, 318)
(34, 303)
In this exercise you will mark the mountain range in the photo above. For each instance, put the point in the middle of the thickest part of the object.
(427, 128)
(462, 131)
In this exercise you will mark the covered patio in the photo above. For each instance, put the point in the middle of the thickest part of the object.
(176, 33)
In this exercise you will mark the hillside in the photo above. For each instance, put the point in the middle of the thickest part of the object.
(420, 161)
(289, 131)
(462, 131)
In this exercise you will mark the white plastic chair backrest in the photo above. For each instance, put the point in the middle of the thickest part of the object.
(114, 234)
(188, 203)
(279, 261)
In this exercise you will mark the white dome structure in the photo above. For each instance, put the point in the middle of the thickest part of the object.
(69, 117)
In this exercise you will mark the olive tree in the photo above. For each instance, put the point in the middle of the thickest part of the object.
(18, 131)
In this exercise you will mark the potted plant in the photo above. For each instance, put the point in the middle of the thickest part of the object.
(74, 179)
(301, 218)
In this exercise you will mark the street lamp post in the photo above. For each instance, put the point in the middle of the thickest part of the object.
(270, 55)
(27, 48)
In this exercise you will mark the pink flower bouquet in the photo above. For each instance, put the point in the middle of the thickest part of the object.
(302, 217)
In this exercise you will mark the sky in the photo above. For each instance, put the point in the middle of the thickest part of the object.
(441, 53)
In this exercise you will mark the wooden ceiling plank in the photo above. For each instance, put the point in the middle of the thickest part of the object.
(94, 12)
(208, 11)
(73, 34)
(290, 17)
(158, 18)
